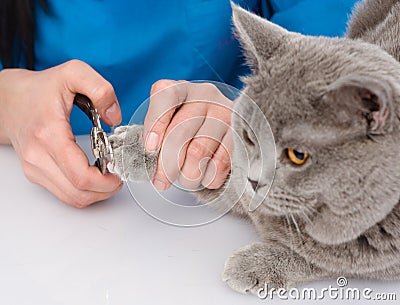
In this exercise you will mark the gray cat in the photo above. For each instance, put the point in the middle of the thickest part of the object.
(333, 105)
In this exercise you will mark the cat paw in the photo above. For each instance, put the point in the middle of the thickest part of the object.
(250, 269)
(131, 161)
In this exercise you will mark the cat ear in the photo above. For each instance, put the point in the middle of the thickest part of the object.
(260, 38)
(365, 95)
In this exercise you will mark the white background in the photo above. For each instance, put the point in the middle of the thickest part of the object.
(113, 253)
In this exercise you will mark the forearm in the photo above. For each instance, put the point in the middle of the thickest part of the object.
(3, 127)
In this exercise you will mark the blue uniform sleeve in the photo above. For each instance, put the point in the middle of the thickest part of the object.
(266, 10)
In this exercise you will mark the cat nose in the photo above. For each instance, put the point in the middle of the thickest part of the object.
(254, 184)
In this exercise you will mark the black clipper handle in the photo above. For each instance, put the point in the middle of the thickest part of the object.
(86, 105)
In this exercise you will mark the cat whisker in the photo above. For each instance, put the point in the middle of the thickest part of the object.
(309, 211)
(306, 216)
(312, 210)
(302, 239)
(290, 233)
(296, 226)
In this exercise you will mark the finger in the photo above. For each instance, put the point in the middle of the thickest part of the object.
(50, 176)
(198, 155)
(74, 164)
(200, 151)
(81, 78)
(175, 151)
(76, 168)
(182, 129)
(74, 197)
(165, 97)
(219, 166)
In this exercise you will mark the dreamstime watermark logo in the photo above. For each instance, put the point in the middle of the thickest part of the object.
(252, 161)
(341, 291)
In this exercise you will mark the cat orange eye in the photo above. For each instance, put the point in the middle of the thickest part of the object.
(297, 157)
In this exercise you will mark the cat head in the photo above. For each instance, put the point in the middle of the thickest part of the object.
(332, 104)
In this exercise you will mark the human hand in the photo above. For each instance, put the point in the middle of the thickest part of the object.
(34, 117)
(191, 124)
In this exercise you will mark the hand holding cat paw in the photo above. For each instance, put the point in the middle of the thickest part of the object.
(191, 124)
(131, 161)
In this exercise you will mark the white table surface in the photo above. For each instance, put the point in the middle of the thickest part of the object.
(113, 253)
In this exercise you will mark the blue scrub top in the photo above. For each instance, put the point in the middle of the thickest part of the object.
(135, 43)
(313, 17)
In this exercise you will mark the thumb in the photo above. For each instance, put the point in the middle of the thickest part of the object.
(82, 78)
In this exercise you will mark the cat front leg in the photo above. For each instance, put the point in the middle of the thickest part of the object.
(390, 273)
(270, 265)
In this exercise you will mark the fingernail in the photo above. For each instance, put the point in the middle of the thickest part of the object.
(112, 114)
(152, 141)
(159, 185)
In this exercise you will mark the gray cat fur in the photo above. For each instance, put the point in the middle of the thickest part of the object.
(337, 98)
(139, 164)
